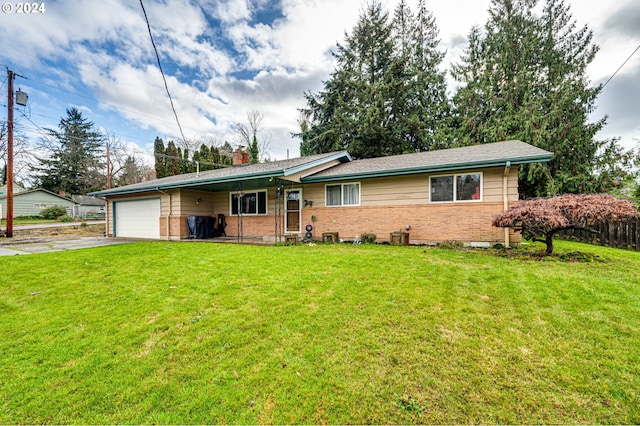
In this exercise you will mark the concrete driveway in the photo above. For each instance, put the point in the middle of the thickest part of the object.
(62, 245)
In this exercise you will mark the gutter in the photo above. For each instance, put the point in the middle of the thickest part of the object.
(189, 183)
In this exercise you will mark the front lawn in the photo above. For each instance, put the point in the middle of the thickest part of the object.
(188, 332)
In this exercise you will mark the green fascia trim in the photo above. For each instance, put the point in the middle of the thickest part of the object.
(430, 169)
(319, 162)
(190, 183)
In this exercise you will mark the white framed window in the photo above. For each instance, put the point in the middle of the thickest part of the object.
(248, 203)
(455, 188)
(344, 194)
(39, 206)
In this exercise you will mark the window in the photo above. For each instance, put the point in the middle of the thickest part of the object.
(463, 187)
(346, 194)
(250, 203)
(39, 206)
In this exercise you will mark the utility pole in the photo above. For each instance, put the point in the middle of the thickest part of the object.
(9, 234)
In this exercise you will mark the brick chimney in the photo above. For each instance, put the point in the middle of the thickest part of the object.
(240, 157)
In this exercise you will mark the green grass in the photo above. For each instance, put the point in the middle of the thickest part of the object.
(207, 333)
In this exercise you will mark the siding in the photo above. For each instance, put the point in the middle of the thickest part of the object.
(387, 205)
(23, 203)
(414, 189)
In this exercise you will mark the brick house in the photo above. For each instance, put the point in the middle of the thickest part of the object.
(433, 196)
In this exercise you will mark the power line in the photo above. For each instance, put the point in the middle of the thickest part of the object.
(623, 64)
(162, 72)
(128, 149)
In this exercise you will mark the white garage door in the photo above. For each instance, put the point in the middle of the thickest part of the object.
(138, 218)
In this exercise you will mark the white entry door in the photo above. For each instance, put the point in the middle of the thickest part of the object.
(293, 210)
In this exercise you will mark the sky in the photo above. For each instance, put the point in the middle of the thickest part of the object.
(225, 58)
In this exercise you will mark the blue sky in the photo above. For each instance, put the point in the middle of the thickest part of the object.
(225, 58)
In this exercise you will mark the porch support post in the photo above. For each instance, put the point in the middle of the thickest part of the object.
(505, 198)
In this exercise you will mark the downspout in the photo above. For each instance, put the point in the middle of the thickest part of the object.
(505, 198)
(170, 212)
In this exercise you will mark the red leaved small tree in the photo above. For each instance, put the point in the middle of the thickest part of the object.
(541, 218)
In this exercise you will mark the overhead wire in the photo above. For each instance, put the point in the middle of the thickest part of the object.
(621, 66)
(162, 72)
(128, 149)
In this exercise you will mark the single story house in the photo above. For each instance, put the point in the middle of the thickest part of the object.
(32, 202)
(16, 188)
(434, 196)
(87, 207)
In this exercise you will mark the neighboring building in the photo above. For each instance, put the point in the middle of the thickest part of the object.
(435, 196)
(32, 202)
(87, 207)
(16, 188)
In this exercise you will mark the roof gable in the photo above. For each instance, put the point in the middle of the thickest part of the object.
(34, 193)
(244, 173)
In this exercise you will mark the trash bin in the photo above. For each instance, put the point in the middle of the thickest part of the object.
(200, 226)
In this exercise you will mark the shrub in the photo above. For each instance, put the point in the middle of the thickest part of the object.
(451, 245)
(65, 218)
(53, 212)
(541, 219)
(368, 238)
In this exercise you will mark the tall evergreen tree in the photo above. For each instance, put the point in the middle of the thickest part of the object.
(254, 151)
(423, 110)
(132, 172)
(173, 159)
(74, 165)
(386, 95)
(351, 113)
(524, 77)
(159, 153)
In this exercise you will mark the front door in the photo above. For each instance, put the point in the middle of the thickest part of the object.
(293, 210)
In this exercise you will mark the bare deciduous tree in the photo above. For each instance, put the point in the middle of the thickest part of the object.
(541, 219)
(23, 156)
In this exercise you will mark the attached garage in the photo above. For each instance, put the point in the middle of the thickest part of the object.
(138, 218)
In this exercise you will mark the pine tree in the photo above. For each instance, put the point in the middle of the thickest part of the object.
(350, 113)
(74, 165)
(254, 152)
(173, 159)
(423, 109)
(132, 172)
(159, 152)
(386, 95)
(524, 78)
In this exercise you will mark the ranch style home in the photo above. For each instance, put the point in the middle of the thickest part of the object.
(445, 195)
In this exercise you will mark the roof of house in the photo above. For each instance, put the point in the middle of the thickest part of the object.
(257, 174)
(87, 200)
(470, 157)
(32, 191)
(337, 166)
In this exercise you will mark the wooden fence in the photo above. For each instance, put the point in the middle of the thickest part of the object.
(625, 234)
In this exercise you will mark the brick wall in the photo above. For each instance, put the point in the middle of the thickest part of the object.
(177, 227)
(429, 223)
